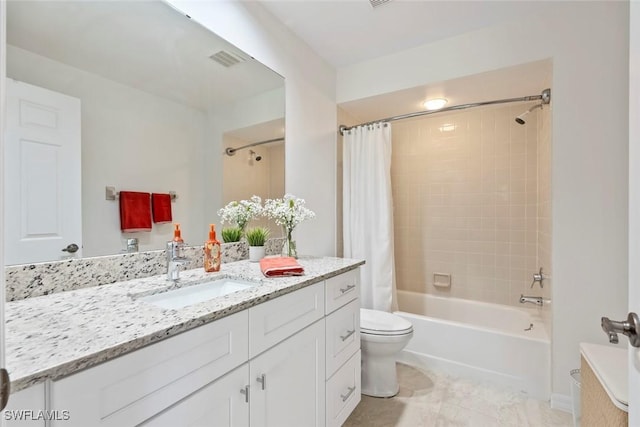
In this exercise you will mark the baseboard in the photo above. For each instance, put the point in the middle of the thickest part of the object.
(562, 402)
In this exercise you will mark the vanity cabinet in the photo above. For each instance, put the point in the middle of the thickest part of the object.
(268, 366)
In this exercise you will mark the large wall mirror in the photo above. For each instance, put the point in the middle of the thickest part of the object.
(153, 99)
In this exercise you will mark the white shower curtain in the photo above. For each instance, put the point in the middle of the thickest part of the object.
(368, 211)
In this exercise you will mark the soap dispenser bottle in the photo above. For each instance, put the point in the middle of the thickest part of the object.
(212, 252)
(177, 237)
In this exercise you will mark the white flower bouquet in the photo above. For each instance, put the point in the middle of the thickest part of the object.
(288, 212)
(240, 213)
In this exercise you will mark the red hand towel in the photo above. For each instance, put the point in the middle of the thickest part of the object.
(161, 206)
(135, 211)
(280, 266)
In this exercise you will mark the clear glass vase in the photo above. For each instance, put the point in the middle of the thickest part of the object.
(289, 246)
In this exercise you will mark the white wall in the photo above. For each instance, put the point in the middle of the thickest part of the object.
(158, 151)
(588, 43)
(310, 108)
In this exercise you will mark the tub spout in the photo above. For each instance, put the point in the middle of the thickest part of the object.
(531, 300)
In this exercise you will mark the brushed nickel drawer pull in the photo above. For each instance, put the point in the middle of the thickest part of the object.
(349, 393)
(347, 289)
(349, 333)
(245, 391)
(262, 379)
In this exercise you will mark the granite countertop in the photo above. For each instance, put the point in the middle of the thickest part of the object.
(52, 336)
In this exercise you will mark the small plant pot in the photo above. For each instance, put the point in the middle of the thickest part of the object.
(256, 253)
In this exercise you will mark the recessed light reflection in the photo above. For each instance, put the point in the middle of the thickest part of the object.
(435, 104)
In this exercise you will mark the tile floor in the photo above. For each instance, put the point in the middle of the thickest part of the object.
(429, 398)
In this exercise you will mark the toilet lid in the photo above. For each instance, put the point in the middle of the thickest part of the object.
(382, 323)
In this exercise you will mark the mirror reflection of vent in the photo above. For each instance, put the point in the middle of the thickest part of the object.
(227, 59)
(376, 3)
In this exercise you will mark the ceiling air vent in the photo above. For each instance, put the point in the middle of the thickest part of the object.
(376, 3)
(226, 59)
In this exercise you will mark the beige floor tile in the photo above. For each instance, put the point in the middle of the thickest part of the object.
(429, 398)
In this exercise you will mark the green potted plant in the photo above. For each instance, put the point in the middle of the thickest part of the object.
(256, 238)
(231, 234)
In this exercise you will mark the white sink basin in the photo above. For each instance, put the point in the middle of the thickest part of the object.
(194, 294)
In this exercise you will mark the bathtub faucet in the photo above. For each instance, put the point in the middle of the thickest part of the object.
(532, 300)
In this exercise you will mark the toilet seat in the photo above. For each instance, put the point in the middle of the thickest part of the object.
(375, 322)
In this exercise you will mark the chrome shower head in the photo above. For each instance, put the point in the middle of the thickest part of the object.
(520, 118)
(254, 156)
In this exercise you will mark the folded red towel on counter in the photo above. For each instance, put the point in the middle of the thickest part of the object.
(280, 266)
(135, 211)
(161, 207)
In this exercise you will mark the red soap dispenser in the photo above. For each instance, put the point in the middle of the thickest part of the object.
(212, 252)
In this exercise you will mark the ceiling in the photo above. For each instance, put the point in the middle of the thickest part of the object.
(143, 44)
(350, 31)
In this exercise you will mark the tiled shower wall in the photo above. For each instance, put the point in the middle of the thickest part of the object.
(465, 188)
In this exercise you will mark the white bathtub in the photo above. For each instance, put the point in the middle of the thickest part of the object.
(478, 340)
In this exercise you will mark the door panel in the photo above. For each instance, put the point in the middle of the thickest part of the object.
(634, 205)
(42, 174)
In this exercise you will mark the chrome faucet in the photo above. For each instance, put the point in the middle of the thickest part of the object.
(175, 259)
(531, 300)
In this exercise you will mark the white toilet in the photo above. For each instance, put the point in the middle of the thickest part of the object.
(382, 336)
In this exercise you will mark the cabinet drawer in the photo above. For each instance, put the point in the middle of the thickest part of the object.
(131, 388)
(275, 320)
(342, 289)
(343, 335)
(343, 392)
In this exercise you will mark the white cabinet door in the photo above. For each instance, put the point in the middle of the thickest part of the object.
(275, 320)
(42, 174)
(220, 404)
(26, 408)
(288, 382)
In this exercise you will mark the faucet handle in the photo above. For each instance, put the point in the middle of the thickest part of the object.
(538, 277)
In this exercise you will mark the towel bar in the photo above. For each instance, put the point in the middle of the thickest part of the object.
(110, 193)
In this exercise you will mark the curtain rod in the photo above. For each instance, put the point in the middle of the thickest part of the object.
(545, 97)
(231, 151)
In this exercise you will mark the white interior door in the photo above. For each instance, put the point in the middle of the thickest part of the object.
(634, 204)
(42, 174)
